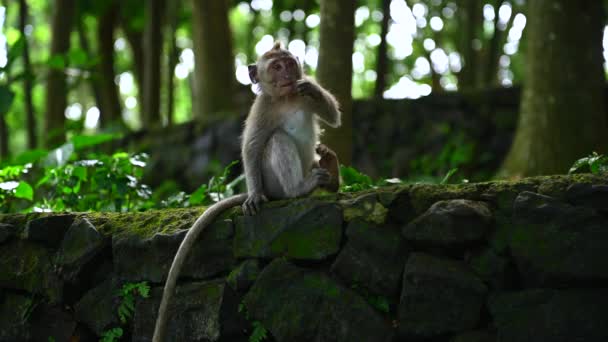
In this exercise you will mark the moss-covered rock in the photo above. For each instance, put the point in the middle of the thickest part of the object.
(15, 310)
(137, 258)
(556, 244)
(98, 307)
(551, 315)
(451, 223)
(373, 257)
(296, 304)
(494, 269)
(144, 224)
(475, 336)
(48, 230)
(589, 195)
(28, 266)
(308, 229)
(438, 296)
(80, 244)
(366, 207)
(6, 232)
(195, 314)
(242, 277)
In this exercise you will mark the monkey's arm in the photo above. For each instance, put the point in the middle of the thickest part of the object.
(255, 137)
(320, 101)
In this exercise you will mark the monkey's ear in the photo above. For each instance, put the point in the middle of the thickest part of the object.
(253, 73)
(277, 45)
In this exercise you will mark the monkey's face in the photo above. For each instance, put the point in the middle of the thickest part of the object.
(283, 73)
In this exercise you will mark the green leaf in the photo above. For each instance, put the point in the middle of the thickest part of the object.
(448, 175)
(25, 191)
(80, 172)
(84, 141)
(15, 51)
(78, 57)
(199, 196)
(30, 156)
(56, 62)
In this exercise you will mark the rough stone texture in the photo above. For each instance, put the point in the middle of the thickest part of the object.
(137, 258)
(243, 276)
(48, 230)
(366, 207)
(551, 315)
(305, 230)
(548, 232)
(6, 232)
(438, 296)
(14, 311)
(195, 313)
(451, 223)
(590, 195)
(80, 244)
(28, 266)
(98, 307)
(555, 244)
(296, 304)
(475, 336)
(373, 257)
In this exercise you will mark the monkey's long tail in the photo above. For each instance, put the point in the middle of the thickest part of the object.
(203, 221)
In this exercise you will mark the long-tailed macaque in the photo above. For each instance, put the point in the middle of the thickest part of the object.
(280, 138)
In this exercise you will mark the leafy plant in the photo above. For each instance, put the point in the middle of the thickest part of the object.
(127, 295)
(111, 335)
(447, 176)
(259, 332)
(354, 180)
(594, 163)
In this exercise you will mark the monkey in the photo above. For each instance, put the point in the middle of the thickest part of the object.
(279, 147)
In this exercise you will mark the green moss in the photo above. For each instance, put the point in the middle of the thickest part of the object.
(145, 224)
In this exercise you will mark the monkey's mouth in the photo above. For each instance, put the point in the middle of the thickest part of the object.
(286, 85)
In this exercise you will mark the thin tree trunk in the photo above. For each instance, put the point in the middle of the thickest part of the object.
(471, 22)
(110, 101)
(153, 42)
(135, 39)
(86, 47)
(382, 58)
(493, 56)
(32, 137)
(562, 116)
(335, 69)
(56, 89)
(3, 137)
(214, 61)
(173, 15)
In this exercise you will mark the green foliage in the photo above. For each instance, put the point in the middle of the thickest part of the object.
(259, 332)
(354, 180)
(378, 302)
(111, 335)
(127, 294)
(594, 163)
(448, 175)
(215, 190)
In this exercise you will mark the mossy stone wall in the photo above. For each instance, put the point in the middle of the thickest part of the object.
(496, 261)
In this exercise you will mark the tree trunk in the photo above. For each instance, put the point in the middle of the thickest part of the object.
(173, 15)
(471, 21)
(335, 69)
(153, 42)
(214, 62)
(382, 58)
(86, 47)
(110, 101)
(490, 77)
(56, 89)
(562, 115)
(135, 39)
(32, 137)
(3, 137)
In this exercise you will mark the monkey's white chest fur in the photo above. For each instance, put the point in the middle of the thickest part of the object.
(303, 129)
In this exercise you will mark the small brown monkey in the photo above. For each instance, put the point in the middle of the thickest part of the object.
(279, 148)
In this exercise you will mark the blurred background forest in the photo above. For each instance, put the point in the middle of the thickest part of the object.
(106, 96)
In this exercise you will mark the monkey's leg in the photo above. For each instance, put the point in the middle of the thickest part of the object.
(329, 161)
(283, 170)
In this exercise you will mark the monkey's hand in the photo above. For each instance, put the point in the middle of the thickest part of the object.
(329, 161)
(320, 176)
(253, 203)
(309, 89)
